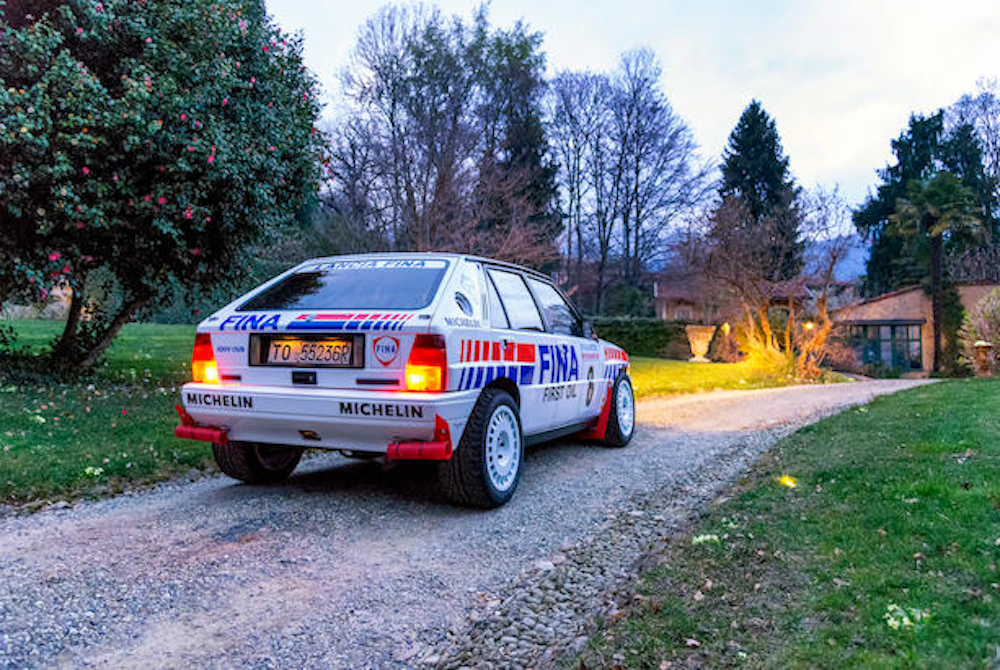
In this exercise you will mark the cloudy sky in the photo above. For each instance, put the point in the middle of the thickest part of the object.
(840, 78)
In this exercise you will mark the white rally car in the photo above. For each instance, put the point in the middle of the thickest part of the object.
(444, 357)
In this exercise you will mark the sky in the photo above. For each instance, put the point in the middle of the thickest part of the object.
(840, 78)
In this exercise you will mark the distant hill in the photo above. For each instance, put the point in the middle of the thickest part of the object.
(854, 263)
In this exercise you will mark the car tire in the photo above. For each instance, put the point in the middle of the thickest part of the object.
(621, 417)
(486, 467)
(256, 463)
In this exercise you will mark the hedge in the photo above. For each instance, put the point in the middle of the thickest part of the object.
(644, 337)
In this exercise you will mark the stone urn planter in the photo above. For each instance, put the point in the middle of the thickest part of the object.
(699, 337)
(984, 359)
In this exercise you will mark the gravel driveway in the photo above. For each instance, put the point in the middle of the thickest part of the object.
(359, 565)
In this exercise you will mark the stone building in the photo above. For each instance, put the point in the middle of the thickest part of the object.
(895, 330)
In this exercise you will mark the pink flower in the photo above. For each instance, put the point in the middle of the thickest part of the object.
(190, 148)
(124, 412)
(196, 251)
(208, 219)
(100, 6)
(79, 31)
(31, 280)
(253, 80)
(54, 256)
(45, 293)
(162, 200)
(184, 117)
(147, 198)
(85, 171)
(149, 40)
(66, 270)
(265, 48)
(211, 159)
(271, 148)
(188, 213)
(79, 225)
(225, 101)
(114, 177)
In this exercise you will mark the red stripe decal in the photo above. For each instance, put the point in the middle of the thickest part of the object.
(508, 351)
(496, 351)
(525, 353)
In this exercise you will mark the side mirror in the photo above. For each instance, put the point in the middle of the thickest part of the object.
(588, 331)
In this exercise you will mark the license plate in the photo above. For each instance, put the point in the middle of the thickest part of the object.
(332, 352)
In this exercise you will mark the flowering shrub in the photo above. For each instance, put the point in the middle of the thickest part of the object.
(908, 618)
(981, 323)
(147, 141)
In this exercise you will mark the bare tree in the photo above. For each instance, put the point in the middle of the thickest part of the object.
(981, 110)
(630, 169)
(576, 119)
(663, 175)
(744, 268)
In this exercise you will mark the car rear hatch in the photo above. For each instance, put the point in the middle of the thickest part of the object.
(340, 324)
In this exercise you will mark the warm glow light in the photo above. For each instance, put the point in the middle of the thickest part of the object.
(725, 328)
(809, 325)
(788, 480)
(423, 378)
(205, 372)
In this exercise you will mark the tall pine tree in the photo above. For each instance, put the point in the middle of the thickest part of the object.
(921, 151)
(755, 172)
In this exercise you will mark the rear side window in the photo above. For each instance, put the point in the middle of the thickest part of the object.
(517, 300)
(362, 284)
(497, 317)
(558, 313)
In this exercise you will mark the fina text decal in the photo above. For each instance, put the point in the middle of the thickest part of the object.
(386, 349)
(557, 363)
(250, 322)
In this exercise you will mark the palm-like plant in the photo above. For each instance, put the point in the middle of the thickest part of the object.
(932, 210)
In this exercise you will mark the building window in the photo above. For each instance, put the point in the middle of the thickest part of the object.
(891, 346)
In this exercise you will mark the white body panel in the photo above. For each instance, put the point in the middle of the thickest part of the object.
(561, 380)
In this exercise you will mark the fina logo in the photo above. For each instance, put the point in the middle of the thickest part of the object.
(386, 349)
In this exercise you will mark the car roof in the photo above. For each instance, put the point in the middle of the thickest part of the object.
(431, 254)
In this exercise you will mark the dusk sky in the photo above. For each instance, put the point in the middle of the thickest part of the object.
(840, 78)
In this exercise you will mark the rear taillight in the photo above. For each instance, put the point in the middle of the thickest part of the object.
(427, 367)
(203, 367)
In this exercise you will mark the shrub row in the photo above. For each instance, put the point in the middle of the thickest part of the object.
(644, 337)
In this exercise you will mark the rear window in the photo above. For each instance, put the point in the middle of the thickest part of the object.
(364, 284)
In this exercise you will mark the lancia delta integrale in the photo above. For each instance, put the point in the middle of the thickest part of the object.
(440, 357)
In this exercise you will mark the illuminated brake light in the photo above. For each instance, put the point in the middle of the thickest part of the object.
(203, 367)
(427, 367)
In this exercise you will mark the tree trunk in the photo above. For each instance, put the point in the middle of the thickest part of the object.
(67, 341)
(101, 344)
(936, 298)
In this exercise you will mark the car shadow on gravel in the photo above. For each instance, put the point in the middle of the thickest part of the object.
(345, 481)
(334, 480)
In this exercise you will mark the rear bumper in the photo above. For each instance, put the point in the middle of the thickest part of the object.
(326, 418)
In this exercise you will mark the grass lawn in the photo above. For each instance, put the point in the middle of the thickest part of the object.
(883, 555)
(657, 376)
(92, 437)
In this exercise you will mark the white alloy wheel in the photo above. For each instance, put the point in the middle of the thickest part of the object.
(503, 448)
(626, 408)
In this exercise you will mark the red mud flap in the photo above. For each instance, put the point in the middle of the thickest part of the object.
(600, 429)
(439, 449)
(188, 431)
